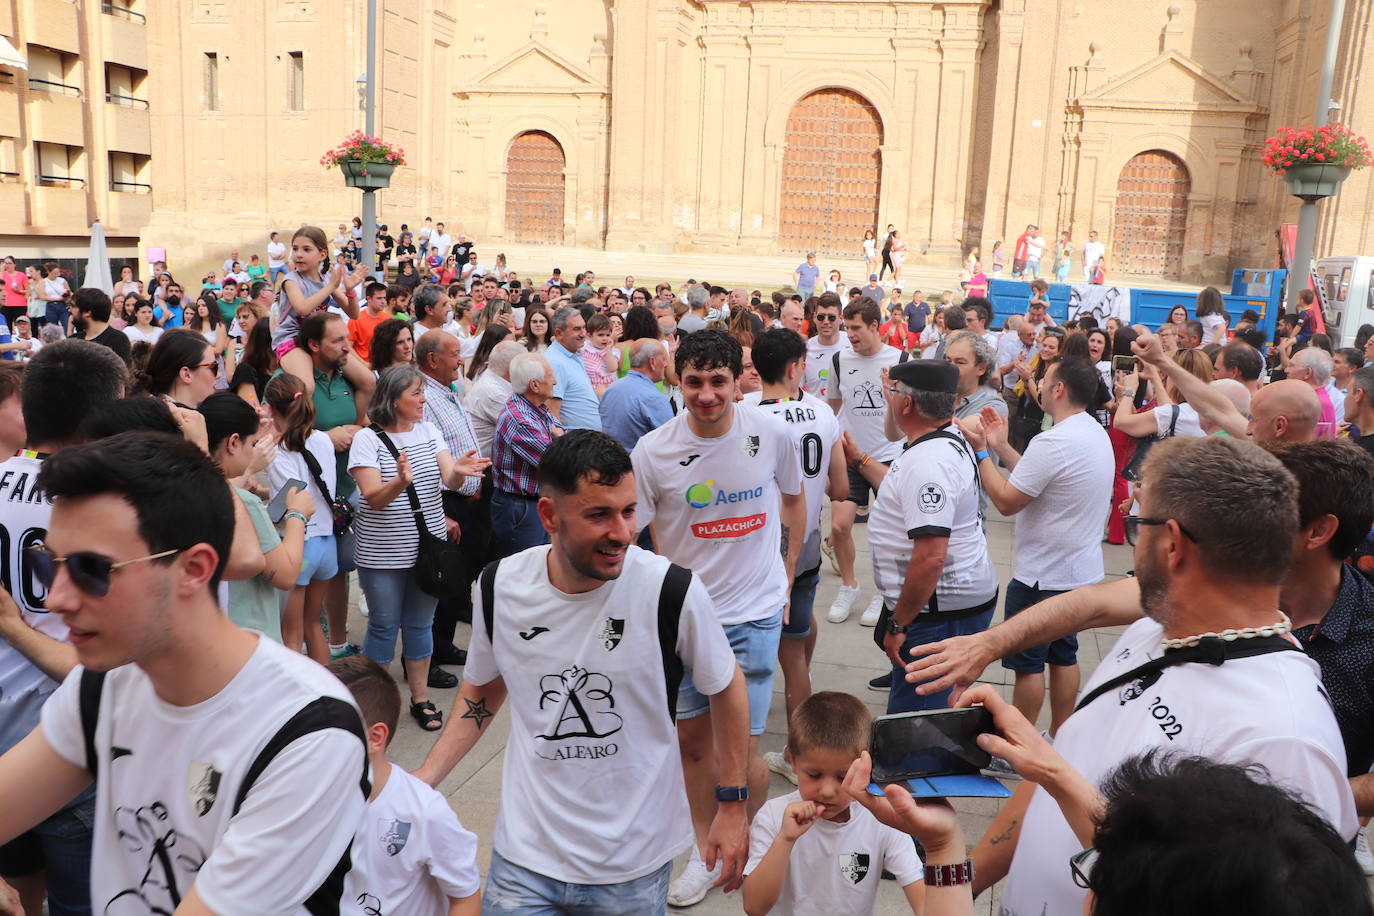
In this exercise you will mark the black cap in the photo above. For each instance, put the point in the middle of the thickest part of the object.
(933, 375)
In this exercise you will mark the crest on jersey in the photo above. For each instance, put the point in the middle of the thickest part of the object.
(394, 836)
(612, 629)
(1135, 688)
(751, 445)
(931, 498)
(854, 865)
(202, 784)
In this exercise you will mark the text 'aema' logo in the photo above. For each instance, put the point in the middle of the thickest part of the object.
(701, 495)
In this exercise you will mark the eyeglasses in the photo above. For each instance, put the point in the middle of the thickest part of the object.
(1143, 520)
(819, 317)
(90, 572)
(207, 366)
(896, 391)
(1081, 865)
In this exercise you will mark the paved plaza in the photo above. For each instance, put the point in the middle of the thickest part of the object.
(845, 659)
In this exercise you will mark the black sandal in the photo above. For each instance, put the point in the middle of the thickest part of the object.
(430, 718)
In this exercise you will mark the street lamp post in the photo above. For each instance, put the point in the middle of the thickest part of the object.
(1301, 268)
(369, 252)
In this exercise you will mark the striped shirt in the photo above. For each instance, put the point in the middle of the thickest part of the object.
(523, 431)
(387, 538)
(444, 409)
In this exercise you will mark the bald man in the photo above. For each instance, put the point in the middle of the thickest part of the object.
(793, 318)
(1285, 411)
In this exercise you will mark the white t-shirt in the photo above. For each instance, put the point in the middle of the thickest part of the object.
(819, 364)
(483, 403)
(1009, 348)
(1267, 709)
(442, 242)
(138, 335)
(591, 787)
(1035, 247)
(387, 537)
(1092, 253)
(24, 516)
(834, 868)
(1213, 329)
(1067, 471)
(716, 503)
(288, 465)
(1189, 424)
(816, 431)
(170, 774)
(410, 853)
(932, 490)
(276, 255)
(860, 388)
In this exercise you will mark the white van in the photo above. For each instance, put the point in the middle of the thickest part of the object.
(1349, 286)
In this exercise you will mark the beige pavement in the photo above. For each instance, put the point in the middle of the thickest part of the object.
(845, 659)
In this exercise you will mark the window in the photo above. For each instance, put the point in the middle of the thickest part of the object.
(59, 166)
(295, 87)
(211, 81)
(9, 159)
(124, 86)
(128, 173)
(53, 71)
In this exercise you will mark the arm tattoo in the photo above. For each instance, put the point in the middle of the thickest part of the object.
(1005, 834)
(478, 712)
(786, 540)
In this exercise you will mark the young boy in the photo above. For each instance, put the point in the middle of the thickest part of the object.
(410, 855)
(375, 310)
(398, 301)
(815, 851)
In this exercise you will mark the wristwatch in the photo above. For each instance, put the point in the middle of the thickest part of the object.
(949, 875)
(893, 627)
(732, 793)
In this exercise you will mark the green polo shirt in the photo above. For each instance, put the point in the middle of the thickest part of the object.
(228, 309)
(334, 406)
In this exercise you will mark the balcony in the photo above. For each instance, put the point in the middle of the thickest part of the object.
(55, 113)
(126, 125)
(52, 23)
(129, 205)
(61, 210)
(124, 36)
(9, 111)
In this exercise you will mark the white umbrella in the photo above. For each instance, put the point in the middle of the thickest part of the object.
(98, 262)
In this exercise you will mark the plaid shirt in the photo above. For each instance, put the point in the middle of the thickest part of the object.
(523, 431)
(444, 408)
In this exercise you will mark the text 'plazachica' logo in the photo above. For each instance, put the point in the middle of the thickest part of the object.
(701, 495)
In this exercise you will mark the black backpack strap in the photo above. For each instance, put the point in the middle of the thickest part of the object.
(835, 367)
(1210, 651)
(671, 596)
(1173, 420)
(323, 713)
(904, 357)
(92, 685)
(488, 580)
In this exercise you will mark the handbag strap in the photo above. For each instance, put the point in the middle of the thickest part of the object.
(317, 473)
(1211, 650)
(1173, 422)
(416, 512)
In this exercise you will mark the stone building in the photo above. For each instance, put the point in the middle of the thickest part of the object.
(758, 126)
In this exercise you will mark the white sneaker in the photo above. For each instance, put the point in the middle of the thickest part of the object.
(692, 886)
(1362, 853)
(872, 612)
(777, 762)
(362, 602)
(843, 604)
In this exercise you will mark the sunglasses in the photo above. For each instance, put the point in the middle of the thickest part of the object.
(820, 317)
(90, 572)
(207, 365)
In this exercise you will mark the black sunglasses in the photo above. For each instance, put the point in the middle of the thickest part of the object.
(90, 572)
(821, 317)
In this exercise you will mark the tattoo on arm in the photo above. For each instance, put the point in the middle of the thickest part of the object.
(1005, 834)
(786, 539)
(478, 712)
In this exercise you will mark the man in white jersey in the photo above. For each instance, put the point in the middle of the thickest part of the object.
(930, 556)
(821, 349)
(721, 485)
(53, 857)
(780, 358)
(230, 771)
(588, 637)
(856, 395)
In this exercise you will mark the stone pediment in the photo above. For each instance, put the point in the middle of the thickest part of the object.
(534, 68)
(1171, 80)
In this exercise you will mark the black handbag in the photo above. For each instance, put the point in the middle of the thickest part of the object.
(439, 568)
(1142, 448)
(339, 507)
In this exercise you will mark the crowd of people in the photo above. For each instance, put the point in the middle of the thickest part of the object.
(625, 493)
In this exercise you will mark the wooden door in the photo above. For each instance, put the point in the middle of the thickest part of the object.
(534, 189)
(1151, 217)
(832, 168)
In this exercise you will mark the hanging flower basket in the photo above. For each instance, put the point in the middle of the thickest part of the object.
(1313, 161)
(366, 162)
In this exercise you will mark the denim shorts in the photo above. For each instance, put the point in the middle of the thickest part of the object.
(61, 848)
(515, 891)
(1062, 652)
(799, 615)
(756, 649)
(320, 559)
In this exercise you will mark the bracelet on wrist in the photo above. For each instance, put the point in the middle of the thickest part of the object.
(294, 513)
(864, 460)
(981, 454)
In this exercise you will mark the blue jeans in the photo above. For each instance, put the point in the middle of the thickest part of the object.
(515, 524)
(60, 847)
(274, 272)
(799, 613)
(515, 891)
(56, 314)
(902, 696)
(755, 643)
(395, 601)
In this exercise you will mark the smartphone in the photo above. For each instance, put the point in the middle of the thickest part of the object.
(276, 509)
(938, 742)
(1124, 363)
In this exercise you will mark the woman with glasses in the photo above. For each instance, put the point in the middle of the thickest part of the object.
(206, 322)
(181, 369)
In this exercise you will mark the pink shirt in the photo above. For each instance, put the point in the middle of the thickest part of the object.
(594, 361)
(16, 290)
(1326, 422)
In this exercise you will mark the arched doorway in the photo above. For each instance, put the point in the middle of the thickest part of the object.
(831, 171)
(534, 189)
(1151, 216)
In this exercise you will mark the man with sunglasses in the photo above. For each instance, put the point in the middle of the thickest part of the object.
(84, 378)
(244, 754)
(821, 349)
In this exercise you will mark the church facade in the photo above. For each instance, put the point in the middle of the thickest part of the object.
(760, 126)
